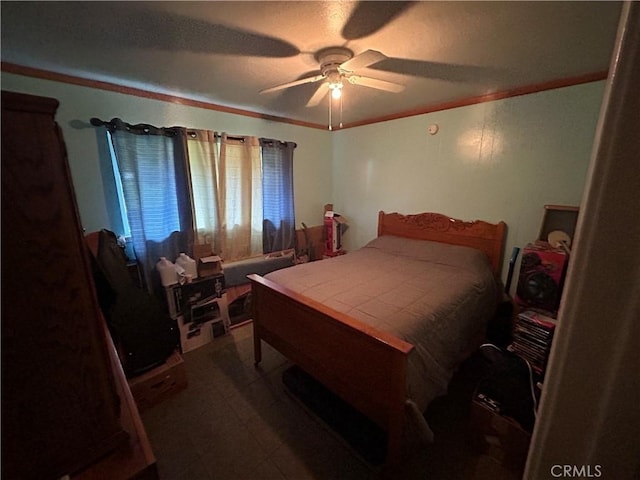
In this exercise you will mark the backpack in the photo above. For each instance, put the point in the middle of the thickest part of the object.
(141, 328)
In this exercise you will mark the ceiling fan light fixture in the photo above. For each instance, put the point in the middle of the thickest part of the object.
(335, 83)
(336, 89)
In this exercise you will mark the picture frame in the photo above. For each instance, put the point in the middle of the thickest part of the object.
(559, 217)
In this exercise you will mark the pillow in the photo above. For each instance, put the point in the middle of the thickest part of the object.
(435, 252)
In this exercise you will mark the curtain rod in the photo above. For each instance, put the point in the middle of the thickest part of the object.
(192, 133)
(144, 128)
(140, 128)
(116, 123)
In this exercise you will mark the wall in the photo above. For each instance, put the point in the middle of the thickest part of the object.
(501, 160)
(312, 158)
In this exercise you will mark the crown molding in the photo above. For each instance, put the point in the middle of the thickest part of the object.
(113, 87)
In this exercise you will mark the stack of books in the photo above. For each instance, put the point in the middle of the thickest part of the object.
(532, 336)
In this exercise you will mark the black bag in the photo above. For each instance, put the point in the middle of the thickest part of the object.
(506, 385)
(144, 332)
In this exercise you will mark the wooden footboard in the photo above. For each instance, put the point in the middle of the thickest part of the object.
(366, 367)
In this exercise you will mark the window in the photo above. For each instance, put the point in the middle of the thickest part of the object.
(277, 195)
(122, 206)
(240, 190)
(226, 175)
(154, 189)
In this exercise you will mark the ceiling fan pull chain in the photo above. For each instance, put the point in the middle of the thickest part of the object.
(330, 121)
(341, 97)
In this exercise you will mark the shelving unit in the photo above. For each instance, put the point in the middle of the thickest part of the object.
(201, 310)
(532, 337)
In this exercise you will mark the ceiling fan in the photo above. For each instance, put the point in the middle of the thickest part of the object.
(337, 66)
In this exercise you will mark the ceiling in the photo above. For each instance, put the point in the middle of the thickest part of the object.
(225, 53)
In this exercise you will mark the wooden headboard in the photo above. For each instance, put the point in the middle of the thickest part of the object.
(484, 236)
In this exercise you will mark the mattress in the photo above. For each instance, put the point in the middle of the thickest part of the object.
(438, 297)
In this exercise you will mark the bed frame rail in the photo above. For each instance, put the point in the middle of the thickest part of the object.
(364, 366)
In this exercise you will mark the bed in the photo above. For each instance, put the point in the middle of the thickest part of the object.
(385, 326)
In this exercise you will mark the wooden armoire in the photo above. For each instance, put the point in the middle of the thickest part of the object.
(66, 408)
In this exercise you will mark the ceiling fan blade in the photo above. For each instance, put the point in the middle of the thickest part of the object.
(317, 97)
(364, 59)
(450, 72)
(302, 81)
(369, 17)
(376, 83)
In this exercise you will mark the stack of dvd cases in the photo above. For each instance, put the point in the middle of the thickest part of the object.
(532, 336)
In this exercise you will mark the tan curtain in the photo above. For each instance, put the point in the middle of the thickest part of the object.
(226, 179)
(204, 160)
(240, 197)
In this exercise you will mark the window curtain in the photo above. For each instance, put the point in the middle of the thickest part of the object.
(277, 195)
(227, 169)
(155, 181)
(204, 161)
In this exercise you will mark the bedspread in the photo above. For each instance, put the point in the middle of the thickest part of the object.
(437, 297)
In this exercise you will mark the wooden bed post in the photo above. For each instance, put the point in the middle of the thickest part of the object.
(257, 345)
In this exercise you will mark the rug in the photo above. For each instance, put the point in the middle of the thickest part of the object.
(364, 436)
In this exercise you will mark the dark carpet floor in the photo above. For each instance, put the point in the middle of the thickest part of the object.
(454, 452)
(364, 436)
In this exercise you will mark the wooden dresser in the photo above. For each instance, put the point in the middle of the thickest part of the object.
(66, 408)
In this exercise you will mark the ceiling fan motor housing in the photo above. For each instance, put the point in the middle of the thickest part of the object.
(331, 58)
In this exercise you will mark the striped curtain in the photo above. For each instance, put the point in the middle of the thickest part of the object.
(153, 169)
(277, 195)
